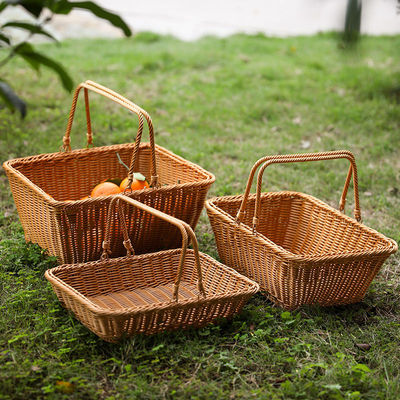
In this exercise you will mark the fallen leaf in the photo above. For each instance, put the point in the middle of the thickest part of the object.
(363, 346)
(330, 128)
(305, 144)
(341, 92)
(296, 121)
(367, 194)
(65, 387)
(370, 62)
(278, 381)
(160, 111)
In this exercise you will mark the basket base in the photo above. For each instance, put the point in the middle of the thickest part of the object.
(291, 307)
(145, 296)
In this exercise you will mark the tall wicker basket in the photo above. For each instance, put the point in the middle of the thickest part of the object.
(299, 249)
(149, 293)
(43, 185)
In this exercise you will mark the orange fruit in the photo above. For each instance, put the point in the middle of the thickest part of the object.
(105, 189)
(136, 185)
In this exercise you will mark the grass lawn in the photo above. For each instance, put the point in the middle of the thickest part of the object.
(222, 103)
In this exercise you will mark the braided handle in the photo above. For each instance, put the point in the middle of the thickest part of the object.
(342, 203)
(185, 229)
(89, 85)
(332, 155)
(153, 166)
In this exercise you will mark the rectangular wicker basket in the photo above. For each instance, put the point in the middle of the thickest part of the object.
(299, 249)
(44, 185)
(149, 293)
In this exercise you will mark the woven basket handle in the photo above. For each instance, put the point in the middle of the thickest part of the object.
(302, 158)
(186, 230)
(89, 85)
(154, 176)
(332, 155)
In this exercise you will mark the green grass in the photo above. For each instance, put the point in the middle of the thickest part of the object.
(222, 103)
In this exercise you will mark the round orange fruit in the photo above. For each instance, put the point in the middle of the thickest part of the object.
(105, 189)
(136, 185)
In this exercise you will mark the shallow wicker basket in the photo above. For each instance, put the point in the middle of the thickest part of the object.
(43, 185)
(299, 249)
(149, 293)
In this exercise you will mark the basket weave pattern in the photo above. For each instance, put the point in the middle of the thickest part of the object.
(299, 249)
(150, 293)
(74, 231)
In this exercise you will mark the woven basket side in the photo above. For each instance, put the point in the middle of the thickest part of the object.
(37, 217)
(113, 329)
(329, 284)
(150, 270)
(304, 225)
(73, 175)
(217, 278)
(99, 278)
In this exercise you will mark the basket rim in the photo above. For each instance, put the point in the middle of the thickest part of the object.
(8, 165)
(51, 276)
(211, 206)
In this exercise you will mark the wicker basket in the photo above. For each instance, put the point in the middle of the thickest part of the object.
(73, 231)
(299, 249)
(149, 293)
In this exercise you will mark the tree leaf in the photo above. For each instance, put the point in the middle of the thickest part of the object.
(23, 50)
(35, 29)
(35, 59)
(138, 176)
(34, 7)
(65, 6)
(12, 101)
(4, 38)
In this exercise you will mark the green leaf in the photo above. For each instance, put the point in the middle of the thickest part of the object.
(116, 181)
(138, 176)
(360, 367)
(12, 101)
(35, 29)
(23, 50)
(34, 7)
(334, 386)
(65, 7)
(286, 315)
(4, 38)
(35, 59)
